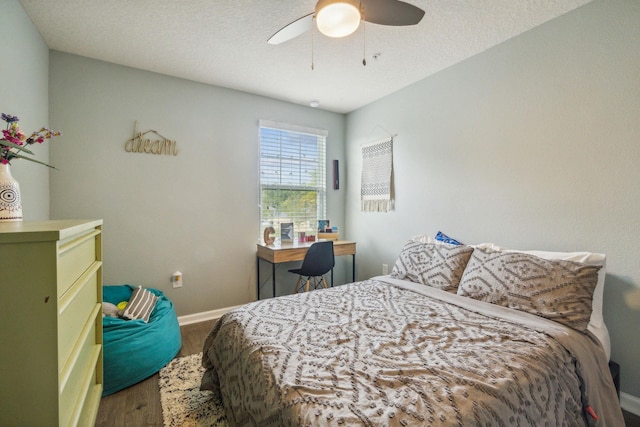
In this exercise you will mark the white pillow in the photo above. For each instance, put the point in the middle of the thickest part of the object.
(423, 238)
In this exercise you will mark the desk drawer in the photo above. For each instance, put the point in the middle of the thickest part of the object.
(75, 255)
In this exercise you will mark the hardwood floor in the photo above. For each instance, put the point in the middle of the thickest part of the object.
(139, 405)
(631, 420)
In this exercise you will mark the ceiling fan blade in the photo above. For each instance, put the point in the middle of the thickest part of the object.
(391, 12)
(292, 30)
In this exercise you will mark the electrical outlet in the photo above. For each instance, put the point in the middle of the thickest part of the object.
(385, 268)
(176, 279)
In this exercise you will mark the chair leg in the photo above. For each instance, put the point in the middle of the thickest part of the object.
(306, 288)
(324, 282)
(297, 288)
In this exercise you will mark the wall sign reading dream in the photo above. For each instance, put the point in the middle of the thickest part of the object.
(143, 142)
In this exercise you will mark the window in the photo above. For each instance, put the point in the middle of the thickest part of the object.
(292, 176)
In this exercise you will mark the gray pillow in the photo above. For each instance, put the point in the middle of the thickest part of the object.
(432, 264)
(140, 305)
(558, 290)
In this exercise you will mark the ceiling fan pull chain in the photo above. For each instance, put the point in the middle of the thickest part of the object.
(314, 18)
(364, 41)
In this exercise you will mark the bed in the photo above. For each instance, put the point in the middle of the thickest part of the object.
(455, 336)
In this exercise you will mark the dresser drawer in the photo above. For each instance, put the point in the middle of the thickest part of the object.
(91, 403)
(81, 378)
(76, 307)
(75, 255)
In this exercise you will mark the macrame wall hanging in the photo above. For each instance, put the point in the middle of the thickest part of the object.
(377, 172)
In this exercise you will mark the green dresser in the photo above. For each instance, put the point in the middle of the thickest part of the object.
(51, 322)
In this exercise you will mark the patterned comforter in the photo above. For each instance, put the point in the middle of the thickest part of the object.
(385, 352)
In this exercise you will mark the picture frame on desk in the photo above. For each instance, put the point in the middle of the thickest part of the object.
(323, 224)
(286, 232)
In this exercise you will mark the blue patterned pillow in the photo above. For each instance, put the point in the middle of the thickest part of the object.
(440, 236)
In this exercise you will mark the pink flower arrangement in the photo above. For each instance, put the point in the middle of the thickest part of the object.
(14, 142)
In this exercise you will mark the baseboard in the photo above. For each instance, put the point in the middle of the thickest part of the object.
(630, 403)
(204, 316)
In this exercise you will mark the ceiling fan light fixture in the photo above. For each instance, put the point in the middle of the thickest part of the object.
(337, 18)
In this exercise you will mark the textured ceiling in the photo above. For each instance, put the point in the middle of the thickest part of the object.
(224, 42)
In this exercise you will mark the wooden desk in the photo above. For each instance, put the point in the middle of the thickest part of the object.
(286, 252)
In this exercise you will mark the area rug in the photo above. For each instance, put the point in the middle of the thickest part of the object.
(183, 404)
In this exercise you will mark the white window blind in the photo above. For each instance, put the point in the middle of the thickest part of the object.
(292, 176)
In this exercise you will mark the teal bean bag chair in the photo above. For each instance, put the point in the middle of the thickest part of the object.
(135, 350)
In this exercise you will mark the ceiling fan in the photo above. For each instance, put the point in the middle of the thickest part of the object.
(339, 18)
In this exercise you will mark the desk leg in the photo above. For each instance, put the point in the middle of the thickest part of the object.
(353, 267)
(258, 277)
(273, 278)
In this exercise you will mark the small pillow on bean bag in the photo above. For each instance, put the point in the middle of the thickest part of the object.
(140, 305)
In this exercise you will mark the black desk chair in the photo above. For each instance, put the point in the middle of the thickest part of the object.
(318, 261)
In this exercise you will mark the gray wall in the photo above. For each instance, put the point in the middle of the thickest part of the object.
(24, 89)
(534, 144)
(196, 212)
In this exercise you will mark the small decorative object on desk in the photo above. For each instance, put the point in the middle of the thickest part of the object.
(268, 236)
(329, 234)
(323, 224)
(13, 146)
(286, 232)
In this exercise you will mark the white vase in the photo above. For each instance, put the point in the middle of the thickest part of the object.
(10, 203)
